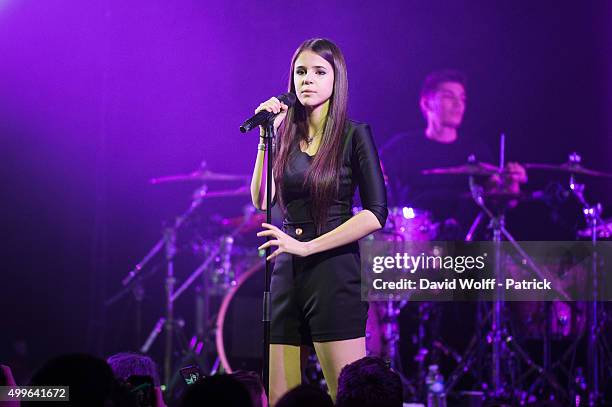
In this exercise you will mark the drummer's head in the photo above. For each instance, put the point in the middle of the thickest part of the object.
(443, 98)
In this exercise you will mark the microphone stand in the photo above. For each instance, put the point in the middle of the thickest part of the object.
(268, 138)
(289, 99)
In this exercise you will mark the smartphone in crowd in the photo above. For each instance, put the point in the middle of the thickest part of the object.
(190, 374)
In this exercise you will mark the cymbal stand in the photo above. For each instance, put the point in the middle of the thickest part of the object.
(499, 337)
(223, 248)
(502, 342)
(168, 324)
(391, 337)
(136, 287)
(595, 363)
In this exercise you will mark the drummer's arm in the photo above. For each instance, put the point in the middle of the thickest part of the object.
(258, 183)
(516, 175)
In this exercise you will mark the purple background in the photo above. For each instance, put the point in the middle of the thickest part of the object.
(98, 97)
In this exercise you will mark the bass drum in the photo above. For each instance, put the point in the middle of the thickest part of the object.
(239, 333)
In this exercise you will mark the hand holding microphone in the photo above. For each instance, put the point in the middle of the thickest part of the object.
(273, 105)
(273, 108)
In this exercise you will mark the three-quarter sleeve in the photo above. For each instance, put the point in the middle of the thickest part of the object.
(369, 176)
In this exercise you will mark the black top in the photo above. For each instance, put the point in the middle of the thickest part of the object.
(360, 167)
(407, 154)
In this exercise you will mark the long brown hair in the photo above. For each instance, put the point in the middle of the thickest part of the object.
(322, 179)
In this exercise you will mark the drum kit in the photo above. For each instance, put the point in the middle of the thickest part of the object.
(229, 282)
(501, 355)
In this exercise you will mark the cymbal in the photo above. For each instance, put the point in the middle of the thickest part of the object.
(572, 168)
(482, 169)
(245, 190)
(199, 176)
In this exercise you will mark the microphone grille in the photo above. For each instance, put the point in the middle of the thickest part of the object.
(287, 98)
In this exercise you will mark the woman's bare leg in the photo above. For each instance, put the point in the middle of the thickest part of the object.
(285, 370)
(333, 356)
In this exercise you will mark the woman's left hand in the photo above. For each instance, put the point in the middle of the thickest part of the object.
(285, 243)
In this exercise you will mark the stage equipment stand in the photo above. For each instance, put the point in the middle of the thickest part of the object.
(499, 337)
(596, 342)
(269, 141)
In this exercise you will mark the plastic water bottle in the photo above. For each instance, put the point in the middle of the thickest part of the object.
(435, 387)
(580, 394)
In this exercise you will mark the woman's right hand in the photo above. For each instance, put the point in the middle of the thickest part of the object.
(275, 106)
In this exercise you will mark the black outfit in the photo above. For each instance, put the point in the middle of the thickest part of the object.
(407, 154)
(318, 298)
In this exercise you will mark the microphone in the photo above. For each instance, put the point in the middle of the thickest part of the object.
(263, 116)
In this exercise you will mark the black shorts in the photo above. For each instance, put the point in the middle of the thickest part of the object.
(317, 298)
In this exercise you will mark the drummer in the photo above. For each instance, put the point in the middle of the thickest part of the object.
(405, 155)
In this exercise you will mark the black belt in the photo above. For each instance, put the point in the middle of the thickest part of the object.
(308, 230)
